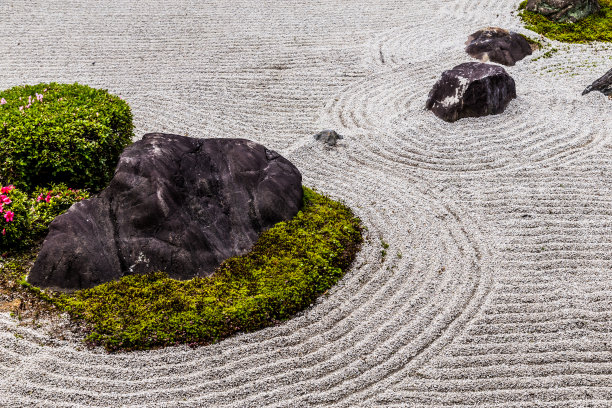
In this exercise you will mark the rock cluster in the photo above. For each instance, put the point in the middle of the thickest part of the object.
(564, 11)
(498, 45)
(471, 89)
(175, 204)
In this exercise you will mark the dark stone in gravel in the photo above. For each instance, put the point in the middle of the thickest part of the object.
(498, 45)
(175, 204)
(329, 137)
(471, 89)
(603, 85)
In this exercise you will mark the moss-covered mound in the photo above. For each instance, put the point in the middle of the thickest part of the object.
(59, 133)
(289, 266)
(597, 27)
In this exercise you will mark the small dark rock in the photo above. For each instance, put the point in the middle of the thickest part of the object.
(328, 136)
(564, 11)
(603, 85)
(497, 45)
(175, 204)
(471, 89)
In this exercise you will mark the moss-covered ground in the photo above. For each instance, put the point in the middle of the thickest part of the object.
(287, 269)
(597, 27)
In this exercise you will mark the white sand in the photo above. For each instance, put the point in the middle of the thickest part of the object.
(503, 294)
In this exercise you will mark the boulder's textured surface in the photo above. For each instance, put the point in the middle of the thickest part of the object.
(175, 204)
(603, 85)
(329, 137)
(564, 11)
(497, 45)
(471, 89)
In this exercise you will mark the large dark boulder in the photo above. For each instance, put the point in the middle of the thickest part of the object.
(175, 204)
(497, 45)
(603, 85)
(564, 11)
(471, 89)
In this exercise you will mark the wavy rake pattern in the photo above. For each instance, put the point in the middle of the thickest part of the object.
(502, 295)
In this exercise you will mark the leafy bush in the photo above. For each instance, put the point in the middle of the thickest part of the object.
(596, 27)
(26, 218)
(60, 133)
(289, 266)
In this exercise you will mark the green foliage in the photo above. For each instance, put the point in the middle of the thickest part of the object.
(289, 266)
(31, 214)
(596, 27)
(61, 133)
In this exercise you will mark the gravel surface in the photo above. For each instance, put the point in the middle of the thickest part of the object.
(496, 289)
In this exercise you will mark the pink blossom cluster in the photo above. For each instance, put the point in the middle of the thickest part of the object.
(5, 200)
(31, 99)
(47, 197)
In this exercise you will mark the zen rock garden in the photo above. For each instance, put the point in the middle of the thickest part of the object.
(221, 229)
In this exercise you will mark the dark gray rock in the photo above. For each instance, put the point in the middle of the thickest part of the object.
(329, 137)
(497, 45)
(471, 89)
(603, 85)
(564, 11)
(175, 204)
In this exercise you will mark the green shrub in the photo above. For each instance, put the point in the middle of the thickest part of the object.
(289, 266)
(596, 27)
(26, 217)
(60, 133)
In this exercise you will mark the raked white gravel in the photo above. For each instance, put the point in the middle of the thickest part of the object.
(496, 289)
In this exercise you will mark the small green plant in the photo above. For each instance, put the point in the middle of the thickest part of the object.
(26, 217)
(60, 133)
(385, 246)
(596, 27)
(289, 266)
(547, 54)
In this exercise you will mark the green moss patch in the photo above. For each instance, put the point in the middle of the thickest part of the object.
(289, 266)
(59, 133)
(597, 27)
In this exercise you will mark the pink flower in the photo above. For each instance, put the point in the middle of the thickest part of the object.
(21, 108)
(9, 216)
(5, 199)
(39, 97)
(39, 198)
(1, 208)
(48, 198)
(7, 189)
(2, 101)
(3, 231)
